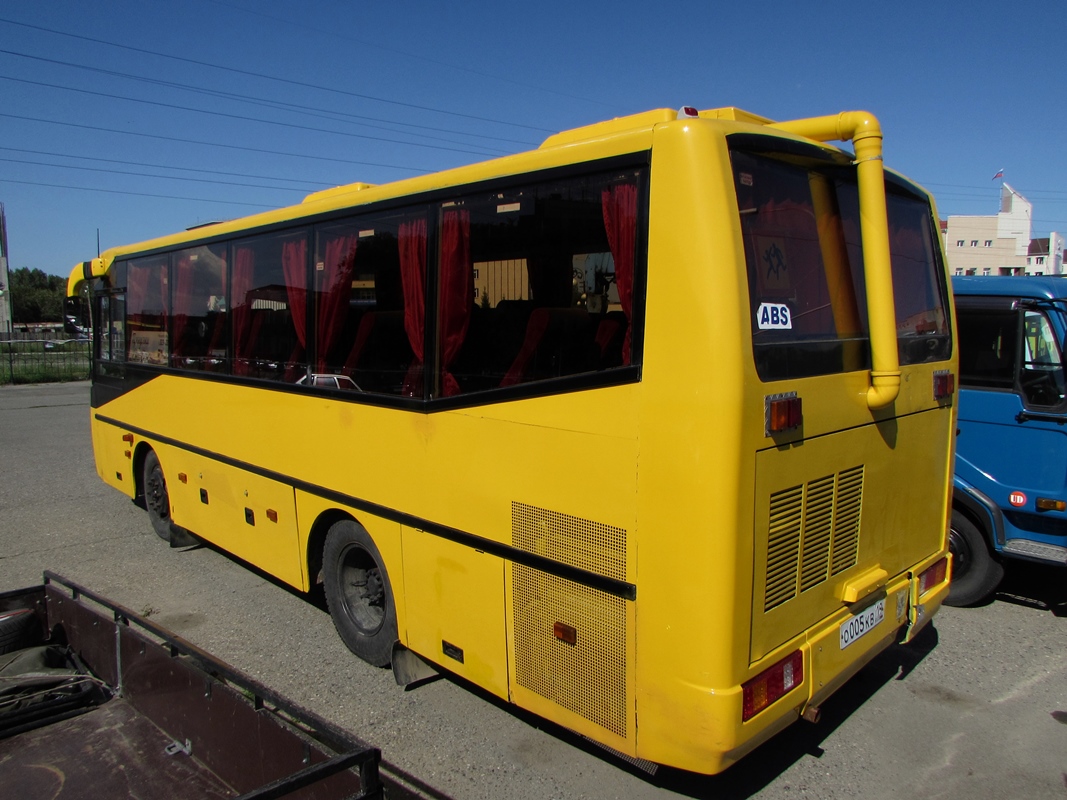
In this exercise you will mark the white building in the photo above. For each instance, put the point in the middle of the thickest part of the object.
(1000, 244)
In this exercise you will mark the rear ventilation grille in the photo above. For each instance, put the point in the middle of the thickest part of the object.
(588, 677)
(813, 533)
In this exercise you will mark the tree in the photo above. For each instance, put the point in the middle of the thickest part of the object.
(36, 296)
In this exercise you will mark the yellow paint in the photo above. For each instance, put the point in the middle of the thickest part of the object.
(678, 461)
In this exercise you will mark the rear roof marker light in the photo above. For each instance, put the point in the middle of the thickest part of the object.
(688, 112)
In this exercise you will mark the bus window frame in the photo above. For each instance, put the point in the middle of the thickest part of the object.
(638, 161)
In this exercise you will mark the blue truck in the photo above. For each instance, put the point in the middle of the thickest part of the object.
(1010, 486)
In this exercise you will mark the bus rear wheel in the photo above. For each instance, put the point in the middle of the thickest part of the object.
(358, 593)
(975, 573)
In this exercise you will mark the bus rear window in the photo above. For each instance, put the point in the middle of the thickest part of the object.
(800, 223)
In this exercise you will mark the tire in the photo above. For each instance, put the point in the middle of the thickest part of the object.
(975, 573)
(15, 629)
(358, 593)
(157, 504)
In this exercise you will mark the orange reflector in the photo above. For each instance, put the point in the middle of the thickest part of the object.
(933, 576)
(1048, 504)
(565, 633)
(128, 454)
(272, 515)
(783, 412)
(771, 685)
(128, 438)
(944, 384)
(183, 477)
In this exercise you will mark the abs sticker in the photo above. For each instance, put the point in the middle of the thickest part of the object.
(773, 317)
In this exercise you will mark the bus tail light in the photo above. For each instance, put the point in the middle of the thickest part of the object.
(944, 384)
(932, 576)
(783, 412)
(771, 684)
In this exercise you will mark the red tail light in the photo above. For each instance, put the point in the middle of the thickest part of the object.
(783, 412)
(771, 684)
(944, 384)
(932, 576)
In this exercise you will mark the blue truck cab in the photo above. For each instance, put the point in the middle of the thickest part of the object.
(1010, 485)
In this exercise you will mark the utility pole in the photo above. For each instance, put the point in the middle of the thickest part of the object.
(5, 278)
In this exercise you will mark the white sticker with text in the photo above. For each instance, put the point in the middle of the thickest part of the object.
(773, 316)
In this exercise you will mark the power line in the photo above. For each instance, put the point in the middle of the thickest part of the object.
(415, 56)
(288, 81)
(149, 175)
(136, 194)
(212, 144)
(166, 166)
(243, 118)
(262, 101)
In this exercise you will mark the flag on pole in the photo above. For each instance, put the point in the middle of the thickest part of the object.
(1000, 174)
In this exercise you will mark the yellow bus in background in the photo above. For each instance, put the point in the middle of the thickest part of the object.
(647, 431)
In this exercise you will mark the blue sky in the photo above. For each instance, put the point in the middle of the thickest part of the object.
(138, 119)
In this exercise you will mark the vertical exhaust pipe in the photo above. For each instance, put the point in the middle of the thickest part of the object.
(865, 133)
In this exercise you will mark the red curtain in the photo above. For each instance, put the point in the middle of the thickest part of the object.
(294, 267)
(413, 278)
(334, 290)
(457, 291)
(619, 204)
(243, 275)
(183, 302)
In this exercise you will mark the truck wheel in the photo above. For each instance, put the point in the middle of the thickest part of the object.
(975, 573)
(358, 593)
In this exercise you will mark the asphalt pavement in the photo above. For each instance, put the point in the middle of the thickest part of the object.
(975, 708)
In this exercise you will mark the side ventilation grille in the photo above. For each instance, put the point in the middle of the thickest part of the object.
(587, 678)
(813, 533)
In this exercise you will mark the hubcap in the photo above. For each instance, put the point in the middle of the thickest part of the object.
(364, 590)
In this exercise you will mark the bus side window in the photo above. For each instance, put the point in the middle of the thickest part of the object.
(269, 288)
(368, 303)
(536, 282)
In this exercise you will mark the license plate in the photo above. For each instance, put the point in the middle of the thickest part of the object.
(859, 625)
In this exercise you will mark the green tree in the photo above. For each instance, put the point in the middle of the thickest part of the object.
(36, 296)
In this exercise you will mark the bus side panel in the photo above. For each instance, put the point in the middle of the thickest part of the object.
(114, 467)
(455, 602)
(248, 515)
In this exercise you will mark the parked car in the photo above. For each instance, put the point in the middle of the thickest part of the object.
(1010, 488)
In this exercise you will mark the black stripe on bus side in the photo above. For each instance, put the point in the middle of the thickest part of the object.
(612, 586)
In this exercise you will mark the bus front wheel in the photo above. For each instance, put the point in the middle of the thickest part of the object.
(157, 504)
(156, 499)
(358, 593)
(975, 573)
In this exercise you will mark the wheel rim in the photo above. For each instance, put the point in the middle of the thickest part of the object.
(155, 492)
(961, 553)
(363, 590)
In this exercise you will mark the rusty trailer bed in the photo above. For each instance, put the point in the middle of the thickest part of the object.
(146, 714)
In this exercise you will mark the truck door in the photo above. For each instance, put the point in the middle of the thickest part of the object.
(1012, 442)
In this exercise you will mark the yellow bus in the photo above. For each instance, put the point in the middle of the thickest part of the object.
(647, 431)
